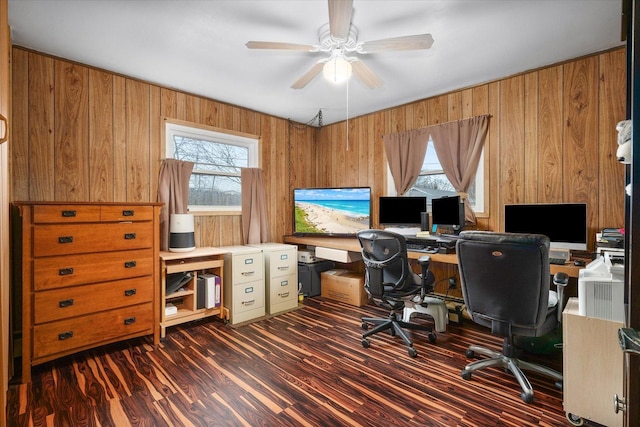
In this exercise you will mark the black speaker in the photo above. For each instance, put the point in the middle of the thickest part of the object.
(424, 221)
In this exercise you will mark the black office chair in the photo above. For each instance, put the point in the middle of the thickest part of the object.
(390, 282)
(505, 280)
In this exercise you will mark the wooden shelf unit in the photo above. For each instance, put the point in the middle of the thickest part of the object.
(200, 260)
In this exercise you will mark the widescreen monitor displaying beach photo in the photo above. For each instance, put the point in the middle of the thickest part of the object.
(331, 211)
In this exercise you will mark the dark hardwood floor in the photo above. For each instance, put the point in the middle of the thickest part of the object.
(302, 368)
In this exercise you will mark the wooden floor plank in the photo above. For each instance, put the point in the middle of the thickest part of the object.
(306, 367)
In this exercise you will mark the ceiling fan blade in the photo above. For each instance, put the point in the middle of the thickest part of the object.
(282, 46)
(365, 74)
(419, 41)
(340, 12)
(309, 75)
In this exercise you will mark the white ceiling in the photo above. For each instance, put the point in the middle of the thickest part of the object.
(199, 46)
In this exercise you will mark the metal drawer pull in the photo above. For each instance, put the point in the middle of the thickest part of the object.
(284, 283)
(129, 264)
(127, 213)
(65, 239)
(285, 267)
(129, 320)
(66, 303)
(68, 214)
(248, 273)
(129, 236)
(284, 294)
(65, 271)
(251, 301)
(65, 335)
(129, 292)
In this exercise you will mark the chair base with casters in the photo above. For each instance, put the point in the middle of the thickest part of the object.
(433, 307)
(396, 326)
(511, 364)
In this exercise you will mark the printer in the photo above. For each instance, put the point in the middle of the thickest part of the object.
(601, 289)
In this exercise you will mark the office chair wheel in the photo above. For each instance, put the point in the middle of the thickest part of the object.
(366, 343)
(526, 398)
(365, 325)
(559, 385)
(469, 354)
(466, 375)
(432, 337)
(412, 352)
(574, 419)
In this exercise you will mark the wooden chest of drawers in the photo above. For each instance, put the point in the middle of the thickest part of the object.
(89, 276)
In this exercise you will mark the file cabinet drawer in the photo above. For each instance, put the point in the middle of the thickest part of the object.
(247, 267)
(80, 300)
(50, 339)
(72, 270)
(282, 262)
(248, 301)
(67, 239)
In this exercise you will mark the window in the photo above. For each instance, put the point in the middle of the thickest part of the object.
(433, 183)
(218, 158)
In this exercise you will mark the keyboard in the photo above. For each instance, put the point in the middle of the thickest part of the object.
(420, 247)
(557, 261)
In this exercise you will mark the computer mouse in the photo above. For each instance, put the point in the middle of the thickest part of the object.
(578, 263)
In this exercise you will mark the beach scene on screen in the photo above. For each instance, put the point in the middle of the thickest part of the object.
(332, 210)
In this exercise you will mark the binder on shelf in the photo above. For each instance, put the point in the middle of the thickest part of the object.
(201, 295)
(212, 289)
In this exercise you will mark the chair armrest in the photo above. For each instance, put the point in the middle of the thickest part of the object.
(561, 280)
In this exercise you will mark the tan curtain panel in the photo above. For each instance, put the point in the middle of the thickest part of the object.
(255, 223)
(173, 191)
(405, 154)
(459, 146)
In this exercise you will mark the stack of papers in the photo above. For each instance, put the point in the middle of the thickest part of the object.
(170, 309)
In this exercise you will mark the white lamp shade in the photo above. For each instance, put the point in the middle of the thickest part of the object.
(337, 70)
(181, 233)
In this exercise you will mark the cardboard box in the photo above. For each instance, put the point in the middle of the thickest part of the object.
(345, 286)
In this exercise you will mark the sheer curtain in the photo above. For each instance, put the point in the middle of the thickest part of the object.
(405, 154)
(459, 147)
(173, 191)
(255, 223)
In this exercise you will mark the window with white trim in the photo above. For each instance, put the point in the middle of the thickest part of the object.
(433, 183)
(218, 158)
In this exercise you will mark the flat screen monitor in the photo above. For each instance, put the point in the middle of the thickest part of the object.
(331, 211)
(565, 224)
(448, 212)
(401, 211)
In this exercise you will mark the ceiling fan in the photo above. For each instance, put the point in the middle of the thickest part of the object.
(338, 39)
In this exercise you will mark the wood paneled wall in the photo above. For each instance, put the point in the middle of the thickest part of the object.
(83, 134)
(86, 134)
(552, 138)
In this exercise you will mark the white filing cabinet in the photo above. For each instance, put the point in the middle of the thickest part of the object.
(243, 280)
(593, 366)
(281, 276)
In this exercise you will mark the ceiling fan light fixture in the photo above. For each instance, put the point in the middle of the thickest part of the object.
(337, 70)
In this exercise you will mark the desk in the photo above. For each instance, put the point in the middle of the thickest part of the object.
(351, 244)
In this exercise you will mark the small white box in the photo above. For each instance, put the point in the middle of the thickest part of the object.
(170, 309)
(307, 256)
(338, 255)
(212, 290)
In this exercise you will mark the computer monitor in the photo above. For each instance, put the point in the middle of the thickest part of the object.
(565, 224)
(401, 211)
(448, 212)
